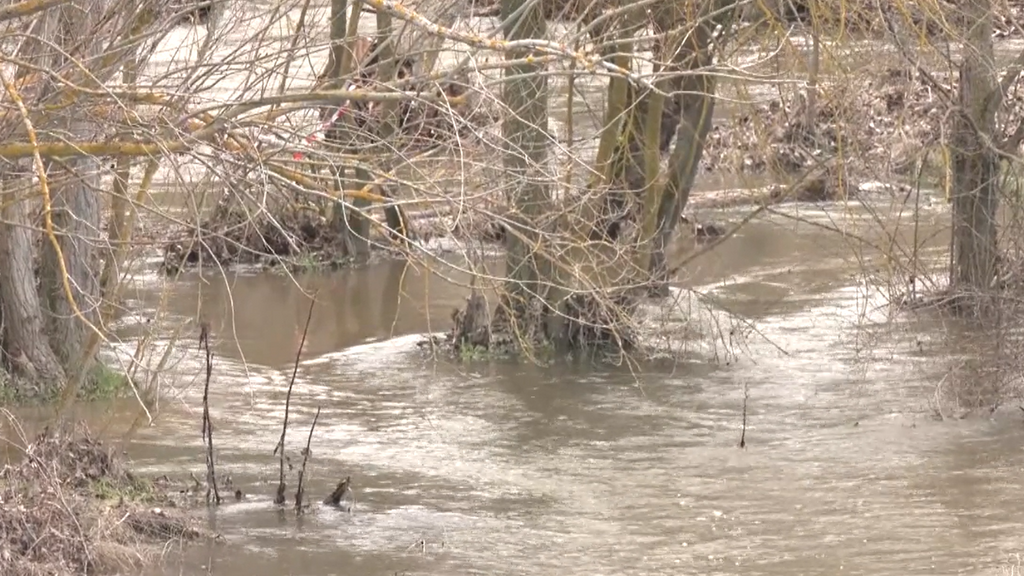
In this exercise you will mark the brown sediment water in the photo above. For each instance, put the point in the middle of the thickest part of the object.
(508, 467)
(512, 468)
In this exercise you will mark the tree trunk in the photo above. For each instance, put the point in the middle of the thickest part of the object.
(394, 216)
(691, 52)
(349, 219)
(339, 28)
(975, 163)
(524, 128)
(29, 356)
(43, 337)
(76, 222)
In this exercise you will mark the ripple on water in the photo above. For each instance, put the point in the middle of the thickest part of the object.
(514, 469)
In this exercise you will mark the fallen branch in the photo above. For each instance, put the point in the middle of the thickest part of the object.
(305, 458)
(279, 499)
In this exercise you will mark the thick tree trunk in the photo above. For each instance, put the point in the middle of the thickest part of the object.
(525, 94)
(75, 215)
(29, 356)
(975, 163)
(76, 221)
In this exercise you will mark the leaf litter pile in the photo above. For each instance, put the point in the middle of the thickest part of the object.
(70, 507)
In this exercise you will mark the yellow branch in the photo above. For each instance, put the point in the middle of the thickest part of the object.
(27, 8)
(32, 148)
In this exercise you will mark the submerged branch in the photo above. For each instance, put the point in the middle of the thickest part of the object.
(279, 499)
(211, 473)
(305, 458)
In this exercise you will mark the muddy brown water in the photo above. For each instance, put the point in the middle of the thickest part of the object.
(511, 468)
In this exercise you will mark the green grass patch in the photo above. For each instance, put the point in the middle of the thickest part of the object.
(131, 489)
(104, 383)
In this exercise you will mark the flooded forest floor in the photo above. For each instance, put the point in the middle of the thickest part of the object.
(867, 125)
(866, 138)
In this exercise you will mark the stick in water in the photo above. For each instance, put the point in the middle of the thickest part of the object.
(305, 458)
(211, 474)
(279, 499)
(743, 434)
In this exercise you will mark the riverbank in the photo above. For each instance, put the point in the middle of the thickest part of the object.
(71, 506)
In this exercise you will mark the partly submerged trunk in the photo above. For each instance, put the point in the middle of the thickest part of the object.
(691, 53)
(975, 192)
(349, 218)
(525, 95)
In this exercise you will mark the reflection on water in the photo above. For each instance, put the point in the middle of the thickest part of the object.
(515, 469)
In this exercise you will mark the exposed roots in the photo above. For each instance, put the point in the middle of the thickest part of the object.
(69, 507)
(584, 325)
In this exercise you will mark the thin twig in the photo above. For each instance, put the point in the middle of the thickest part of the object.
(279, 499)
(305, 458)
(743, 434)
(211, 474)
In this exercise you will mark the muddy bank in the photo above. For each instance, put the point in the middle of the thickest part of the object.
(71, 506)
(881, 127)
(885, 126)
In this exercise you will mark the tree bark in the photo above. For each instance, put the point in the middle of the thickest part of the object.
(30, 358)
(524, 128)
(76, 217)
(691, 53)
(975, 162)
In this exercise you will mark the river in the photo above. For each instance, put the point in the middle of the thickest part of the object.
(514, 468)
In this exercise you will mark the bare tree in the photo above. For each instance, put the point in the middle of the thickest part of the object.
(975, 161)
(69, 49)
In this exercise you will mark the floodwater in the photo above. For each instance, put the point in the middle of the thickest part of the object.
(511, 468)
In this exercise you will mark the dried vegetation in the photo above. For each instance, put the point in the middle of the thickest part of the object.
(69, 506)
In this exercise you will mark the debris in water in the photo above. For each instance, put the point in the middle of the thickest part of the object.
(342, 497)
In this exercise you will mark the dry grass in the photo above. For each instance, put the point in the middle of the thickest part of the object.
(70, 507)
